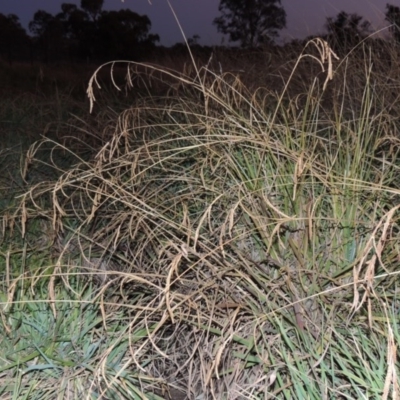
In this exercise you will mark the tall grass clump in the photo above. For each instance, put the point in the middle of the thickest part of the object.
(229, 243)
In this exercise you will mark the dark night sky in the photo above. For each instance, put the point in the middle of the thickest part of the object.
(304, 17)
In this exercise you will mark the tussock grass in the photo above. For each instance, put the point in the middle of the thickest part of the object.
(227, 243)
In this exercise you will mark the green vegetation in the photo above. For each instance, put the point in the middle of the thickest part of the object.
(208, 235)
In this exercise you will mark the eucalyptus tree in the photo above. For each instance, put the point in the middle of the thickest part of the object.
(92, 7)
(124, 34)
(392, 15)
(252, 22)
(347, 30)
(14, 40)
(48, 35)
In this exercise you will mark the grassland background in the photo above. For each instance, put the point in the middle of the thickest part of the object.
(223, 228)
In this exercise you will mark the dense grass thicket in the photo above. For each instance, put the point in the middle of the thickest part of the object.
(210, 232)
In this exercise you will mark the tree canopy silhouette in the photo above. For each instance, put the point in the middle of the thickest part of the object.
(48, 34)
(92, 7)
(346, 30)
(124, 33)
(91, 33)
(13, 38)
(392, 15)
(251, 22)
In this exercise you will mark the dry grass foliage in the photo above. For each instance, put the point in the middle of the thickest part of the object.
(247, 234)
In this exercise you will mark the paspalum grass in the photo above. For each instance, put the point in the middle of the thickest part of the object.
(244, 244)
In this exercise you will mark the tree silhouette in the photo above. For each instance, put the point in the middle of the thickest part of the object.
(346, 30)
(123, 34)
(92, 7)
(251, 22)
(48, 33)
(392, 15)
(91, 33)
(194, 40)
(13, 39)
(78, 30)
(74, 20)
